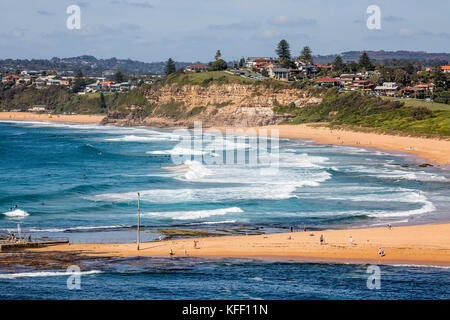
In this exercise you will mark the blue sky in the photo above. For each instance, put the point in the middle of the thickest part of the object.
(192, 30)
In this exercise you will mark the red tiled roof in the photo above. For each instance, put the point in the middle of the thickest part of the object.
(323, 66)
(199, 65)
(325, 79)
(445, 68)
(12, 76)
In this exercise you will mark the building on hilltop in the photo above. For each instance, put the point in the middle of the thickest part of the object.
(197, 68)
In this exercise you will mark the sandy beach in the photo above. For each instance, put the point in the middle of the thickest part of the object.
(417, 245)
(77, 118)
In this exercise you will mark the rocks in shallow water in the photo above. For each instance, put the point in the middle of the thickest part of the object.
(425, 165)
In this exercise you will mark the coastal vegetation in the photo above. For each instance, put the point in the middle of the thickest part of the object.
(355, 110)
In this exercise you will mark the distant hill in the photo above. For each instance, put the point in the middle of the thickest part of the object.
(381, 56)
(89, 65)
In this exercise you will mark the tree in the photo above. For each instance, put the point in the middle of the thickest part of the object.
(439, 78)
(170, 67)
(364, 62)
(102, 101)
(306, 55)
(352, 66)
(119, 77)
(218, 55)
(78, 82)
(339, 64)
(218, 65)
(283, 50)
(242, 62)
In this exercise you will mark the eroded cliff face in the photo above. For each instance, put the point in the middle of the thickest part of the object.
(218, 105)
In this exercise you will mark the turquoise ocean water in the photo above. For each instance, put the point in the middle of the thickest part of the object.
(81, 182)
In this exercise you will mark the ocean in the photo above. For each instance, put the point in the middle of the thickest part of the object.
(81, 182)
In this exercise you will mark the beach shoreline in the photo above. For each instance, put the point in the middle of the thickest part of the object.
(412, 244)
(424, 245)
(421, 149)
(30, 116)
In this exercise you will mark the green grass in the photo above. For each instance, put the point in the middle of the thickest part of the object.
(205, 78)
(358, 111)
(410, 102)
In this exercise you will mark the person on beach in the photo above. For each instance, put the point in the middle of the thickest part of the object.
(351, 240)
(171, 253)
(292, 229)
(321, 239)
(381, 253)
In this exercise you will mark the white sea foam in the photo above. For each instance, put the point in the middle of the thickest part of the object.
(196, 170)
(134, 138)
(18, 213)
(212, 222)
(426, 208)
(189, 215)
(45, 274)
(81, 228)
(179, 151)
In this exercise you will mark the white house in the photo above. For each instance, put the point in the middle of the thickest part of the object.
(387, 88)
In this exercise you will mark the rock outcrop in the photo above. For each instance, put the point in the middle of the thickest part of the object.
(217, 105)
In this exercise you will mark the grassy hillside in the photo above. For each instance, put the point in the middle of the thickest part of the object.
(355, 110)
(409, 102)
(222, 77)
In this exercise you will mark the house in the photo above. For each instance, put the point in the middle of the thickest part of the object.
(40, 83)
(327, 81)
(252, 62)
(197, 67)
(445, 69)
(421, 87)
(388, 88)
(106, 85)
(25, 78)
(53, 82)
(11, 78)
(328, 67)
(91, 88)
(347, 78)
(114, 87)
(279, 73)
(364, 85)
(124, 86)
(38, 108)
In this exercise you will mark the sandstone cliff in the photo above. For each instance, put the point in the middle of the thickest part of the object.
(216, 105)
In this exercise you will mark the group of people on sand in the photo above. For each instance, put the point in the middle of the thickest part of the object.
(352, 243)
(171, 253)
(12, 237)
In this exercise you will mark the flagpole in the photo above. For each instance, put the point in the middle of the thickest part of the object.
(139, 216)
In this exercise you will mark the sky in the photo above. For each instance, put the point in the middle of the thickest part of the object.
(192, 30)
